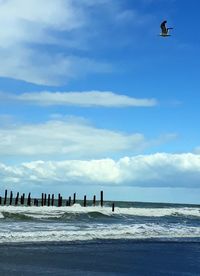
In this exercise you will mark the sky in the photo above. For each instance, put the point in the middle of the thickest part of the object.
(92, 98)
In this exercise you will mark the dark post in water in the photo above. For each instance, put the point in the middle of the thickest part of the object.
(70, 200)
(16, 199)
(48, 200)
(5, 197)
(52, 200)
(94, 200)
(101, 198)
(42, 200)
(84, 202)
(29, 199)
(11, 196)
(45, 199)
(113, 207)
(74, 200)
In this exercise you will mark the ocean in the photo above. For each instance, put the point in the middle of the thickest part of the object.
(71, 234)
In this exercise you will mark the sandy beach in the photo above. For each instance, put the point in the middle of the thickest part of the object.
(122, 257)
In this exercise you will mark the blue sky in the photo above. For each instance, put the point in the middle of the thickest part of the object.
(91, 98)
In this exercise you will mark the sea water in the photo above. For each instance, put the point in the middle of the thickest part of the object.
(129, 221)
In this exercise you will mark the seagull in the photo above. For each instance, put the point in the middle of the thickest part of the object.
(164, 29)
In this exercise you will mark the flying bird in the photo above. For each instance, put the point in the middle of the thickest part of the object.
(164, 29)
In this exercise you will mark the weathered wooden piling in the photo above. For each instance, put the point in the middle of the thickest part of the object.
(94, 200)
(29, 200)
(45, 199)
(59, 200)
(11, 197)
(74, 199)
(48, 203)
(22, 199)
(5, 197)
(17, 199)
(101, 198)
(84, 201)
(52, 200)
(70, 201)
(113, 207)
(42, 200)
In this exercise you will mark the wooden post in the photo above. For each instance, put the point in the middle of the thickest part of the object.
(74, 200)
(23, 198)
(11, 196)
(58, 200)
(16, 199)
(48, 200)
(113, 207)
(101, 198)
(0, 200)
(70, 200)
(61, 201)
(52, 200)
(42, 200)
(45, 199)
(5, 197)
(84, 202)
(29, 199)
(94, 200)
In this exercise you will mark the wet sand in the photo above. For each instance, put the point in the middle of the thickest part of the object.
(121, 257)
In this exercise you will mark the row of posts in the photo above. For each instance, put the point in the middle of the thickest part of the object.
(47, 200)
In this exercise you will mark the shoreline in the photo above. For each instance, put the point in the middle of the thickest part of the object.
(104, 241)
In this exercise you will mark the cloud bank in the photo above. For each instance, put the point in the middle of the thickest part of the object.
(28, 28)
(49, 42)
(70, 138)
(84, 99)
(156, 170)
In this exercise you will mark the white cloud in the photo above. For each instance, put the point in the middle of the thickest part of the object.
(49, 42)
(46, 69)
(88, 98)
(71, 138)
(64, 138)
(27, 25)
(20, 16)
(156, 170)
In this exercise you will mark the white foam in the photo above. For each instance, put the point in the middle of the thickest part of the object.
(1, 216)
(90, 232)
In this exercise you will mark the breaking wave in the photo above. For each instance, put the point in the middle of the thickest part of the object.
(92, 213)
(77, 223)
